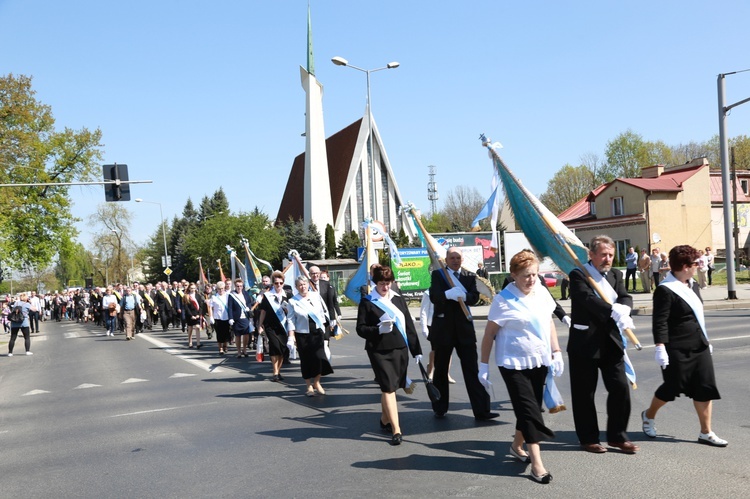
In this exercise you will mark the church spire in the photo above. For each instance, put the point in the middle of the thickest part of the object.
(310, 60)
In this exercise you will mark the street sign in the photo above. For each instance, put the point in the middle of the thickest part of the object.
(168, 271)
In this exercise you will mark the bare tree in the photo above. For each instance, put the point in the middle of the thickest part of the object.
(462, 204)
(111, 222)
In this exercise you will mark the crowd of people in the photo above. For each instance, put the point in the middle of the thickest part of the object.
(299, 323)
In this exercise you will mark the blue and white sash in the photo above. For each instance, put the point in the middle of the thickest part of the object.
(689, 296)
(610, 293)
(305, 307)
(513, 297)
(391, 311)
(276, 307)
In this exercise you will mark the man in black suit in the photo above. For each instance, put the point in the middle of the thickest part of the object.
(328, 294)
(595, 344)
(451, 329)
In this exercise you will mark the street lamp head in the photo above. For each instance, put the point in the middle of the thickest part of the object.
(393, 65)
(340, 61)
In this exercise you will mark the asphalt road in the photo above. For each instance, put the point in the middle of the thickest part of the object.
(92, 416)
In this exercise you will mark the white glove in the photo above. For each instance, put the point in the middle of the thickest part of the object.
(454, 294)
(625, 322)
(211, 320)
(231, 322)
(619, 311)
(484, 374)
(710, 349)
(338, 318)
(661, 356)
(385, 327)
(566, 320)
(558, 364)
(418, 358)
(290, 343)
(426, 333)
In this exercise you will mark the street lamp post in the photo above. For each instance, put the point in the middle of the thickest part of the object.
(724, 152)
(340, 61)
(163, 232)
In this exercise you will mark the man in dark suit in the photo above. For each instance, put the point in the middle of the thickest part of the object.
(328, 294)
(239, 308)
(595, 345)
(451, 329)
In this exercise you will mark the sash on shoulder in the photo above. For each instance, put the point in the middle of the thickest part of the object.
(304, 306)
(689, 296)
(276, 308)
(392, 312)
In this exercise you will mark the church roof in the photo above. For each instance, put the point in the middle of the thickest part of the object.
(340, 150)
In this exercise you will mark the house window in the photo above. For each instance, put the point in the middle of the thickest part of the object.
(617, 207)
(592, 207)
(621, 249)
(743, 185)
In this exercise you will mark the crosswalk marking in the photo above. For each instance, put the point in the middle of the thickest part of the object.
(70, 335)
(86, 385)
(181, 375)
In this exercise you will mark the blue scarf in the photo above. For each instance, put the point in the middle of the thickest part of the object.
(391, 311)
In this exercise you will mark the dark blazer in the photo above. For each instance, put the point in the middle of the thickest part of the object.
(235, 309)
(597, 334)
(674, 322)
(368, 318)
(449, 324)
(328, 294)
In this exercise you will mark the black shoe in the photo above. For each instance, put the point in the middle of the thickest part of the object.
(439, 415)
(275, 378)
(281, 378)
(487, 416)
(396, 439)
(385, 426)
(545, 479)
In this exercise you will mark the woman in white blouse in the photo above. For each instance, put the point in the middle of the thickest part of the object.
(306, 320)
(218, 316)
(526, 348)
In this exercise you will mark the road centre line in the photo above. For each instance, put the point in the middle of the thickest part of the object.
(211, 368)
(727, 338)
(138, 413)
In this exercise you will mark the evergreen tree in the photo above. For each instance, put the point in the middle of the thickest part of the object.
(348, 244)
(330, 240)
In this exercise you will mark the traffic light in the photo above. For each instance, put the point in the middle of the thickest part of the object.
(116, 191)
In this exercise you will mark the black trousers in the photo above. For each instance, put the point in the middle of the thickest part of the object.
(584, 376)
(628, 274)
(467, 354)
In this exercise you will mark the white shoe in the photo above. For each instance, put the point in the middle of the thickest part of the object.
(712, 439)
(648, 426)
(29, 353)
(10, 355)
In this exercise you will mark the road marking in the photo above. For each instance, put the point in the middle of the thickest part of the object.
(133, 380)
(212, 368)
(35, 392)
(181, 375)
(86, 385)
(71, 335)
(161, 410)
(727, 338)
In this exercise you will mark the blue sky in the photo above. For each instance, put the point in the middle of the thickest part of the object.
(197, 95)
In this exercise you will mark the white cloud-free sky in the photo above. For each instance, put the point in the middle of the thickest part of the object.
(197, 95)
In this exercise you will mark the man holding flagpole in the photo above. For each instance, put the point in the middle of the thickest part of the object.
(451, 329)
(595, 344)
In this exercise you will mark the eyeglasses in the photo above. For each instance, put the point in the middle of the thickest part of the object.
(279, 282)
(694, 264)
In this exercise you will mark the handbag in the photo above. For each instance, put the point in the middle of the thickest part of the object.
(16, 314)
(112, 309)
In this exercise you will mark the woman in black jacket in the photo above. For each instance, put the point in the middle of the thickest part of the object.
(383, 320)
(682, 347)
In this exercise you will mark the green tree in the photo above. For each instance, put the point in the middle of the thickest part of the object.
(330, 242)
(74, 263)
(348, 244)
(567, 186)
(34, 220)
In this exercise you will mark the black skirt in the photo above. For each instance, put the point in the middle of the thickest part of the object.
(690, 372)
(312, 355)
(277, 339)
(222, 331)
(526, 389)
(390, 368)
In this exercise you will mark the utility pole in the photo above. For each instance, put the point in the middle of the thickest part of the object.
(432, 190)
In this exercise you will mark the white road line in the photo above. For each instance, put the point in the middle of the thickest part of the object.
(212, 368)
(745, 336)
(35, 392)
(86, 385)
(71, 335)
(161, 410)
(133, 380)
(181, 375)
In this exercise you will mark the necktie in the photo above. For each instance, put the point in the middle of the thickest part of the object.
(455, 274)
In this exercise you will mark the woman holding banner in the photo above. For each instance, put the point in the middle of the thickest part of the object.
(526, 352)
(383, 320)
(272, 321)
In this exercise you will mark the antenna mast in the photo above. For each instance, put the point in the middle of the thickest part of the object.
(432, 190)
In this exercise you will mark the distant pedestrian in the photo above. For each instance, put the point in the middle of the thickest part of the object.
(710, 259)
(655, 261)
(644, 267)
(631, 266)
(22, 306)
